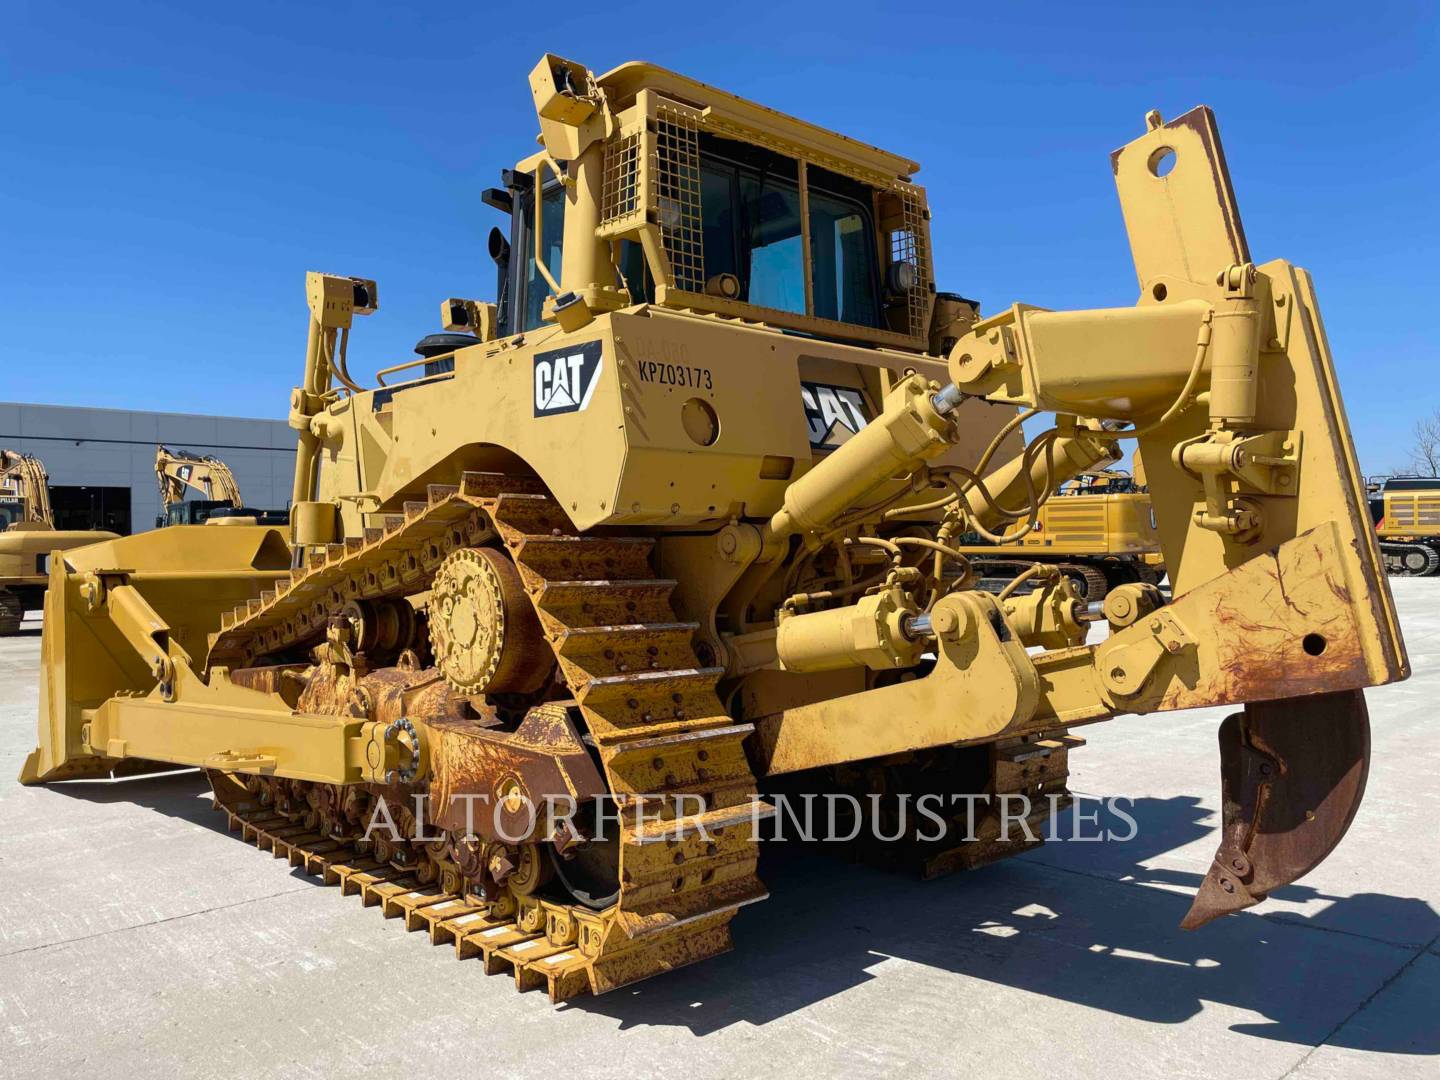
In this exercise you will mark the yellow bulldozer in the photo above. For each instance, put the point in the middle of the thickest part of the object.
(671, 526)
(1098, 531)
(28, 536)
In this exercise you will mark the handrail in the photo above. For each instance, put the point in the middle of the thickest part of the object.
(380, 375)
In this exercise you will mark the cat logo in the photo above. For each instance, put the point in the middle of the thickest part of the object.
(565, 379)
(833, 413)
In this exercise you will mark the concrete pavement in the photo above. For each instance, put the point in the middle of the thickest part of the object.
(138, 938)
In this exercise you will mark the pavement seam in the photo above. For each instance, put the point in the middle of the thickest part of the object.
(153, 922)
(1421, 951)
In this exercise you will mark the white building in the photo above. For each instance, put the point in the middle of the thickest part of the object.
(102, 461)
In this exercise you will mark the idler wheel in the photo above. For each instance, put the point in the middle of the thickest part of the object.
(483, 630)
(380, 627)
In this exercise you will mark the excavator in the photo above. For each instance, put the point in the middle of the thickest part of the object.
(570, 599)
(28, 536)
(181, 472)
(1406, 513)
(1098, 531)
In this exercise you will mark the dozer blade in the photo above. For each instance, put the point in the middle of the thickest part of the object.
(1292, 774)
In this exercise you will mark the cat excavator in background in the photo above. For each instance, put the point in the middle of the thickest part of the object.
(1098, 530)
(1406, 512)
(180, 471)
(28, 536)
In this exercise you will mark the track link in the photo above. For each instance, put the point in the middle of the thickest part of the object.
(447, 917)
(650, 706)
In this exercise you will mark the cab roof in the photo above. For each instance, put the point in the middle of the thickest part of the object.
(765, 125)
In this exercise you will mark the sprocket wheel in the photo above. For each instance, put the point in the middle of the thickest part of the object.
(483, 628)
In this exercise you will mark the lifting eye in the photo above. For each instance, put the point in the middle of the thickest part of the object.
(1162, 161)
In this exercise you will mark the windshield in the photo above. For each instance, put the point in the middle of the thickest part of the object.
(11, 511)
(751, 215)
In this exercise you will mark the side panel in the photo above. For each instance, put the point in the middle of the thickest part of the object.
(639, 418)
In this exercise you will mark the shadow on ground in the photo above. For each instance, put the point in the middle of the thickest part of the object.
(1097, 941)
(178, 793)
(1061, 922)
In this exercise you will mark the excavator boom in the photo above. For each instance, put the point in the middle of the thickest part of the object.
(179, 471)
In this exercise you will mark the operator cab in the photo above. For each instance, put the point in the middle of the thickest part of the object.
(701, 200)
(12, 510)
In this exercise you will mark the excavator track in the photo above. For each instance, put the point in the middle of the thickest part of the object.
(662, 735)
(995, 574)
(1410, 560)
(12, 612)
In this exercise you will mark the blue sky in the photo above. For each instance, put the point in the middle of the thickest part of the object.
(171, 170)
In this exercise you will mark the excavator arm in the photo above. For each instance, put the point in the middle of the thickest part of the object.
(25, 476)
(179, 471)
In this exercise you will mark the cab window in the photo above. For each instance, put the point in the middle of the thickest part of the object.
(533, 288)
(750, 206)
(842, 254)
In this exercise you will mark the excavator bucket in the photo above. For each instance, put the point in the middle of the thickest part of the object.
(1292, 776)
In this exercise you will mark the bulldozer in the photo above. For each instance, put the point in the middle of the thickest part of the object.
(28, 537)
(670, 526)
(1406, 513)
(181, 473)
(1098, 531)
